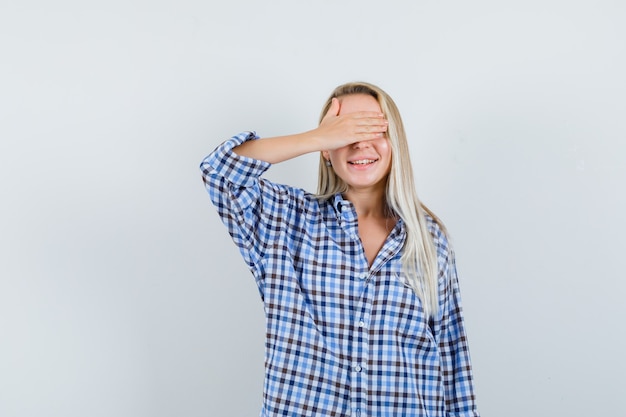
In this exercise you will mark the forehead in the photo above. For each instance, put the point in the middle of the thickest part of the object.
(358, 102)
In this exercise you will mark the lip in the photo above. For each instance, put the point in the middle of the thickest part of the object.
(362, 163)
(362, 160)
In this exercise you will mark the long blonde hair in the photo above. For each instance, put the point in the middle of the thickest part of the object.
(419, 255)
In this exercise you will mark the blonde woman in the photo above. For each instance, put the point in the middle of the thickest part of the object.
(358, 281)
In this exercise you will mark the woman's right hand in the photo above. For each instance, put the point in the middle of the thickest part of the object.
(336, 131)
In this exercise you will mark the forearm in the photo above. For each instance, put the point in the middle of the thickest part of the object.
(333, 132)
(279, 148)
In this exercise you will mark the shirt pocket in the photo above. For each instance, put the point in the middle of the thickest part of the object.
(412, 326)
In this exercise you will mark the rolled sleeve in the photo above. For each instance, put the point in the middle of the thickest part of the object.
(236, 169)
(247, 204)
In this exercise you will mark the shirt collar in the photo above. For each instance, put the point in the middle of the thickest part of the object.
(344, 208)
(346, 213)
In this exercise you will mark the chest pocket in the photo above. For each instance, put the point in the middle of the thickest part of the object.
(405, 313)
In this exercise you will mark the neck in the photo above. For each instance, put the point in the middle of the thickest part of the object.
(368, 203)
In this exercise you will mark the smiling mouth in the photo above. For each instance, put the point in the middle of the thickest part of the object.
(363, 162)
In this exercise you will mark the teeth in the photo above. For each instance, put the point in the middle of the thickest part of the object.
(363, 161)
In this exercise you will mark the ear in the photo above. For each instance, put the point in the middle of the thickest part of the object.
(326, 155)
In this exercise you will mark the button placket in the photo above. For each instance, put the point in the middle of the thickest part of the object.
(360, 352)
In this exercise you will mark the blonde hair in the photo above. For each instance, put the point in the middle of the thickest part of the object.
(419, 255)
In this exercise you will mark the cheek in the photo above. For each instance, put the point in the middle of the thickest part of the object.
(337, 153)
(384, 148)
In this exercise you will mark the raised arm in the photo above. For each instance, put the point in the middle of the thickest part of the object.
(334, 132)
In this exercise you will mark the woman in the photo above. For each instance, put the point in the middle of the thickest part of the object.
(358, 282)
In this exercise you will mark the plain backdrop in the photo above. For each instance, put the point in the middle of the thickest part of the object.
(121, 293)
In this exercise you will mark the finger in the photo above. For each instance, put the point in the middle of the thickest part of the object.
(334, 107)
(367, 115)
(366, 137)
(332, 111)
(372, 124)
(371, 129)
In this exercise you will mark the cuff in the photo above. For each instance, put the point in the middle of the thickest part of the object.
(237, 169)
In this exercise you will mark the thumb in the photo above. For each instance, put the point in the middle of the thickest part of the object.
(333, 110)
(334, 107)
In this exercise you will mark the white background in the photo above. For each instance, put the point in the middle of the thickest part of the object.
(121, 293)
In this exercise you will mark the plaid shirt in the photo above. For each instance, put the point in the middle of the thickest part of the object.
(342, 338)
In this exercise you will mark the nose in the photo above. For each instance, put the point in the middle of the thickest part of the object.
(361, 145)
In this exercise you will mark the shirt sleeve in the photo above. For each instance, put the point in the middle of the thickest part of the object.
(253, 209)
(455, 357)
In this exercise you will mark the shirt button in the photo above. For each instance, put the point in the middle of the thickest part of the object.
(358, 413)
(358, 368)
(361, 324)
(363, 276)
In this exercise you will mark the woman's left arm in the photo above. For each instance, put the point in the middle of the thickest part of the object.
(455, 358)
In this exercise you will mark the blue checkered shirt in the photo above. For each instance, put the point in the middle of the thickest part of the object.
(342, 338)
